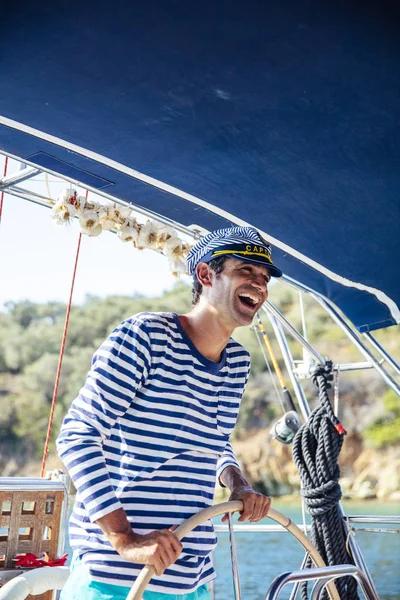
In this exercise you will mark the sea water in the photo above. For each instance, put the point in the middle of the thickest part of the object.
(263, 556)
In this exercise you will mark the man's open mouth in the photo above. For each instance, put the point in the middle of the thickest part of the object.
(250, 300)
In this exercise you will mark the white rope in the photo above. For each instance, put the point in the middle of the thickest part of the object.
(46, 178)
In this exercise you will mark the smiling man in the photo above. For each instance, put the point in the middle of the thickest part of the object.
(148, 435)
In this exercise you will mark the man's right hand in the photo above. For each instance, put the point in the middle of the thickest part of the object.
(159, 548)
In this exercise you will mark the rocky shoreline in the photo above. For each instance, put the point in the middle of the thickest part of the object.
(366, 473)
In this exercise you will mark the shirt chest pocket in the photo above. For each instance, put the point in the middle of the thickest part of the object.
(227, 412)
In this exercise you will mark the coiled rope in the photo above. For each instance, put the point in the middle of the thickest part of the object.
(316, 448)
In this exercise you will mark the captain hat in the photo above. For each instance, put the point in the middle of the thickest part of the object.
(244, 243)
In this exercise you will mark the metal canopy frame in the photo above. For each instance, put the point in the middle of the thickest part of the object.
(8, 182)
(9, 185)
(252, 128)
(268, 72)
(278, 321)
(18, 177)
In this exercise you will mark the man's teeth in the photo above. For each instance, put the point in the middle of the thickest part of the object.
(254, 299)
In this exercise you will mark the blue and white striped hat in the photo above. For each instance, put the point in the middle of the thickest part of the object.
(244, 243)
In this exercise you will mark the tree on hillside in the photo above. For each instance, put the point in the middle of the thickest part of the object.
(30, 337)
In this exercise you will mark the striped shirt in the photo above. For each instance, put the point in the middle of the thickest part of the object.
(149, 432)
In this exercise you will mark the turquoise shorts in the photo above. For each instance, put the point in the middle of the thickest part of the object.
(80, 586)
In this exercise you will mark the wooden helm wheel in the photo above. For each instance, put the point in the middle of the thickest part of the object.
(229, 507)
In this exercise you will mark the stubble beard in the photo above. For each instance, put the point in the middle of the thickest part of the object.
(240, 315)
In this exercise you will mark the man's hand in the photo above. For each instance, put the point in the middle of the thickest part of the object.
(255, 505)
(159, 548)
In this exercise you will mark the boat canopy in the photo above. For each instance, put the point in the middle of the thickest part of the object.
(282, 115)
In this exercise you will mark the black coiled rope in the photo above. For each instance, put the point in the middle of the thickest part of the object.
(316, 448)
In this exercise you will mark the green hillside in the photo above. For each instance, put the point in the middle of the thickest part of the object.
(30, 336)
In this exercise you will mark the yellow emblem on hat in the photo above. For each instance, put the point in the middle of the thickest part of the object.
(258, 250)
(254, 250)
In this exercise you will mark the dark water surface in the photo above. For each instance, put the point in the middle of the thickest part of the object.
(263, 556)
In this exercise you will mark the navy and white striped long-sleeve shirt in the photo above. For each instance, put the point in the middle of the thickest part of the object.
(149, 432)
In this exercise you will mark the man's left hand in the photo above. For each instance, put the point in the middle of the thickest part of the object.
(255, 505)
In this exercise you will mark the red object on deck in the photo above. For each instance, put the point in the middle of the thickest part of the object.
(31, 561)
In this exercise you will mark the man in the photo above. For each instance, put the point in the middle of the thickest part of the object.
(149, 432)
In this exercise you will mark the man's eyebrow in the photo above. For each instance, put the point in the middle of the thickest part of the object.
(252, 265)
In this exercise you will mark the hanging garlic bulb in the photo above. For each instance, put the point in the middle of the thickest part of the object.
(108, 218)
(185, 249)
(107, 224)
(125, 211)
(81, 203)
(63, 212)
(164, 232)
(89, 219)
(72, 209)
(67, 196)
(128, 233)
(173, 248)
(95, 218)
(121, 212)
(95, 206)
(147, 237)
(92, 231)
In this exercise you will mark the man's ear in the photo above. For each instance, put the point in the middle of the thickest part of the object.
(204, 274)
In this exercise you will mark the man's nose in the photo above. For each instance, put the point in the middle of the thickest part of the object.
(260, 282)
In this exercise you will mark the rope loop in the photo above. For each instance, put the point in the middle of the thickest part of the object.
(322, 499)
(324, 371)
(316, 449)
(322, 377)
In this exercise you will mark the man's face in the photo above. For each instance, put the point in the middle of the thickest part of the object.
(238, 292)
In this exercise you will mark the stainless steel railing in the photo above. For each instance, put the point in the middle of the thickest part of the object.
(322, 576)
(288, 577)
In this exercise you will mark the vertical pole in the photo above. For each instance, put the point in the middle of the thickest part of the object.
(211, 585)
(235, 569)
(293, 593)
(287, 357)
(66, 481)
(357, 554)
(2, 193)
